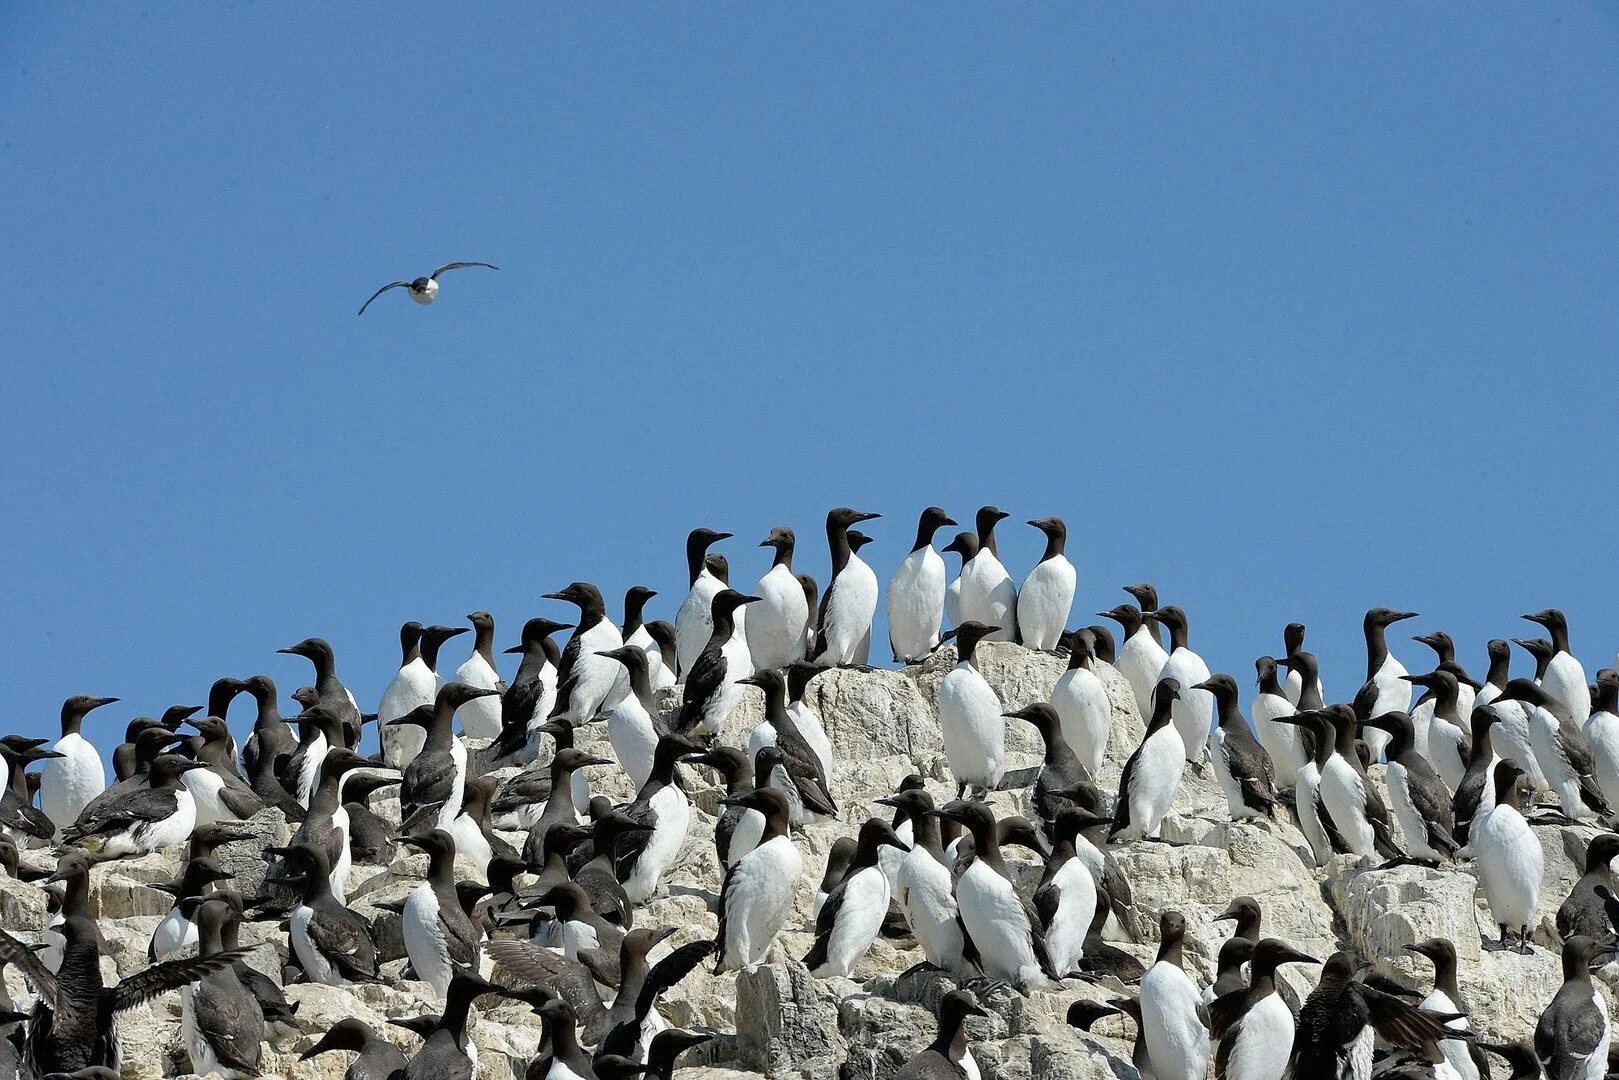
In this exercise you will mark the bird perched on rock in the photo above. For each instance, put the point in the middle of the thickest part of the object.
(947, 1056)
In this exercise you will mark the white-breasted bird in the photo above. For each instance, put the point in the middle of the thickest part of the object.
(423, 290)
(68, 783)
(1048, 592)
(916, 593)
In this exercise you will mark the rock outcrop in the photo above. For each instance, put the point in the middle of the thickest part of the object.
(781, 1022)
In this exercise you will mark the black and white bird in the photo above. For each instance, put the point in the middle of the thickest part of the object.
(1003, 935)
(693, 621)
(1252, 1024)
(850, 919)
(1341, 1017)
(587, 682)
(947, 1056)
(916, 593)
(1422, 806)
(423, 290)
(756, 896)
(1152, 774)
(334, 944)
(1446, 997)
(440, 939)
(140, 820)
(1172, 1010)
(714, 681)
(221, 1021)
(923, 885)
(843, 637)
(1572, 1037)
(376, 1057)
(1240, 762)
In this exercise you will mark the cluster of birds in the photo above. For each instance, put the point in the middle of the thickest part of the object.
(555, 918)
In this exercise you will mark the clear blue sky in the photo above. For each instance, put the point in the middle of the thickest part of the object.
(1293, 311)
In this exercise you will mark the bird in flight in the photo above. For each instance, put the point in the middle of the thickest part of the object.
(423, 290)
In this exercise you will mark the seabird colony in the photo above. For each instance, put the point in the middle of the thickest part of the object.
(534, 882)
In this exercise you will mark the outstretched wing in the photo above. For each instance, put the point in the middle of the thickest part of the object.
(1406, 1027)
(523, 963)
(170, 975)
(22, 957)
(459, 265)
(379, 292)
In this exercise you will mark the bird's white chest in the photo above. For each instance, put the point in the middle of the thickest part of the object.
(634, 739)
(970, 721)
(1264, 1041)
(988, 595)
(1044, 601)
(426, 294)
(1344, 793)
(809, 726)
(320, 969)
(995, 919)
(1176, 1038)
(79, 772)
(849, 610)
(916, 603)
(775, 626)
